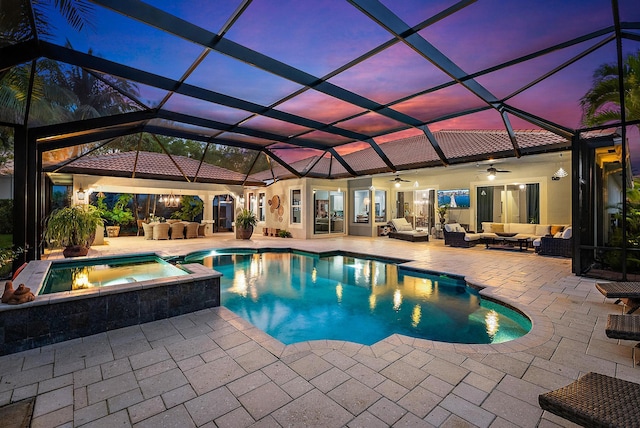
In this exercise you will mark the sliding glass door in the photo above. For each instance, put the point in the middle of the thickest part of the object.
(329, 212)
(510, 203)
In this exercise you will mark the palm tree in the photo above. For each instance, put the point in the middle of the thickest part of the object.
(601, 104)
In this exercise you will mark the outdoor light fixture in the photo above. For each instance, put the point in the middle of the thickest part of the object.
(171, 201)
(416, 184)
(397, 184)
(81, 194)
(492, 175)
(560, 173)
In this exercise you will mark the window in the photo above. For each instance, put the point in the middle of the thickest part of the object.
(361, 205)
(252, 202)
(296, 206)
(261, 210)
(380, 206)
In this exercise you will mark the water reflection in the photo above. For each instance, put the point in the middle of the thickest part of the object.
(296, 297)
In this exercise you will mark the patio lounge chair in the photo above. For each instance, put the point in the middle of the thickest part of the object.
(595, 400)
(626, 292)
(161, 231)
(406, 232)
(625, 327)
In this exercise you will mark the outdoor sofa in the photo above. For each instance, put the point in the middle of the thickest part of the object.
(456, 236)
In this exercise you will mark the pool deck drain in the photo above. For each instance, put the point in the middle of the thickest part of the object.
(212, 367)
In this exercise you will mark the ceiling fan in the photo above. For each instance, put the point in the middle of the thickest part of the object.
(493, 171)
(399, 180)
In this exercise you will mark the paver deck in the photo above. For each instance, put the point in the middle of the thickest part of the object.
(212, 368)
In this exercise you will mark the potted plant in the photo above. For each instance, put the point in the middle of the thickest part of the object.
(117, 216)
(442, 211)
(73, 228)
(245, 222)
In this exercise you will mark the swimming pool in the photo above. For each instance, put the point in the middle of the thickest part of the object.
(104, 272)
(296, 297)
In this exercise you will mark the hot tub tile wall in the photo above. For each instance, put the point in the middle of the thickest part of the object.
(45, 322)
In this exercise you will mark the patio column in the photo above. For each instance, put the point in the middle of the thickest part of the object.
(25, 211)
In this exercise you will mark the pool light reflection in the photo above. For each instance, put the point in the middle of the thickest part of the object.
(397, 300)
(416, 315)
(493, 325)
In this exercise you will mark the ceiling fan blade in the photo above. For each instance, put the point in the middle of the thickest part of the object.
(502, 170)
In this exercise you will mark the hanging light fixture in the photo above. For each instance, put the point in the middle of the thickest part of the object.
(560, 173)
(171, 201)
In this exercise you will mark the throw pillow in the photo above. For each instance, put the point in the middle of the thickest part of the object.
(496, 227)
(542, 230)
(566, 234)
(449, 227)
(558, 235)
(555, 229)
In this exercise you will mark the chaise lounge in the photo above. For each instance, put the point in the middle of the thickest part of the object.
(595, 400)
(403, 230)
(625, 327)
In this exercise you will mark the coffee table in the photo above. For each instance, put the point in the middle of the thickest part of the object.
(508, 243)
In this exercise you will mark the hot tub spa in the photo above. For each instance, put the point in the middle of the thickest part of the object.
(89, 296)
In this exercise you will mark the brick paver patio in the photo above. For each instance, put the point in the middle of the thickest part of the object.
(212, 368)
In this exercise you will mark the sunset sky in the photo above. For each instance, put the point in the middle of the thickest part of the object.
(320, 37)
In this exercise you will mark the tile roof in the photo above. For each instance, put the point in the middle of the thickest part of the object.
(153, 166)
(413, 152)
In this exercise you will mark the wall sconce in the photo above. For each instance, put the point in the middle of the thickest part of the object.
(81, 194)
(560, 173)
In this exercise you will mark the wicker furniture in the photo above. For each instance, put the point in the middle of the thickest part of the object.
(507, 242)
(148, 230)
(456, 239)
(177, 230)
(191, 230)
(161, 231)
(626, 292)
(625, 327)
(402, 229)
(456, 236)
(555, 247)
(595, 400)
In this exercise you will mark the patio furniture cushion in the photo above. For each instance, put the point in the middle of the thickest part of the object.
(595, 400)
(401, 224)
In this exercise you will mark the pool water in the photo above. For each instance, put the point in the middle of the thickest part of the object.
(83, 274)
(298, 297)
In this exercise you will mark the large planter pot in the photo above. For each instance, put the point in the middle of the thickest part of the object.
(113, 231)
(75, 251)
(244, 232)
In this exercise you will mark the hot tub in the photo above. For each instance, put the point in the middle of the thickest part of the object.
(56, 316)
